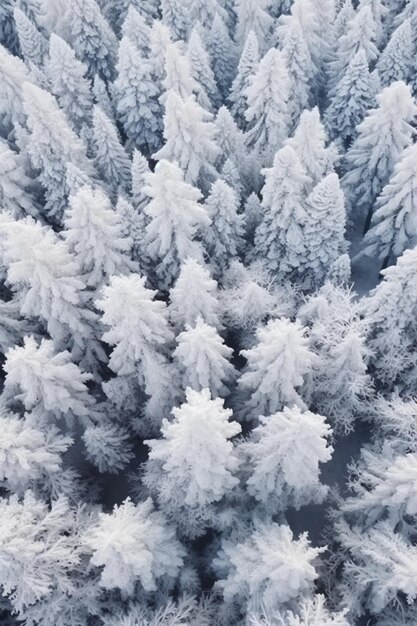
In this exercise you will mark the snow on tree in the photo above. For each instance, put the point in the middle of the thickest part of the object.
(140, 336)
(38, 550)
(67, 76)
(159, 39)
(396, 60)
(283, 457)
(268, 113)
(102, 96)
(222, 53)
(276, 368)
(107, 446)
(27, 454)
(192, 467)
(323, 232)
(178, 76)
(382, 564)
(379, 13)
(252, 15)
(203, 359)
(312, 611)
(229, 138)
(93, 233)
(136, 96)
(91, 36)
(394, 223)
(13, 75)
(134, 544)
(137, 30)
(110, 157)
(47, 280)
(395, 419)
(383, 135)
(248, 64)
(268, 568)
(340, 383)
(194, 296)
(50, 384)
(353, 96)
(279, 236)
(310, 143)
(223, 238)
(204, 11)
(177, 16)
(390, 310)
(16, 188)
(189, 135)
(52, 145)
(32, 43)
(8, 34)
(176, 217)
(139, 173)
(200, 66)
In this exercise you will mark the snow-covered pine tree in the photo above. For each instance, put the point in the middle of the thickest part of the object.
(137, 30)
(253, 15)
(17, 190)
(396, 60)
(200, 65)
(222, 53)
(382, 136)
(177, 16)
(248, 64)
(193, 465)
(32, 43)
(13, 75)
(178, 75)
(268, 112)
(276, 367)
(203, 359)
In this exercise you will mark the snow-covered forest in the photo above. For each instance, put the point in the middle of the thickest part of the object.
(208, 312)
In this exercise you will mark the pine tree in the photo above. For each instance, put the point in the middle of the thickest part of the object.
(13, 75)
(93, 233)
(382, 136)
(268, 113)
(208, 93)
(90, 35)
(323, 232)
(8, 34)
(52, 145)
(396, 61)
(110, 157)
(134, 543)
(137, 30)
(229, 138)
(203, 359)
(253, 16)
(279, 236)
(140, 336)
(16, 188)
(159, 40)
(32, 43)
(178, 76)
(177, 16)
(204, 11)
(283, 456)
(222, 53)
(223, 238)
(394, 223)
(268, 568)
(175, 219)
(276, 367)
(194, 296)
(379, 13)
(137, 99)
(309, 142)
(192, 466)
(139, 173)
(189, 134)
(47, 280)
(248, 64)
(67, 76)
(353, 97)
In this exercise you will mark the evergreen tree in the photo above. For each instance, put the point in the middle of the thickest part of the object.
(253, 16)
(93, 232)
(382, 136)
(51, 146)
(13, 75)
(139, 173)
(16, 188)
(353, 97)
(222, 53)
(283, 459)
(192, 466)
(137, 99)
(189, 134)
(223, 238)
(32, 43)
(397, 59)
(309, 142)
(194, 296)
(90, 35)
(248, 64)
(323, 233)
(178, 76)
(268, 113)
(208, 93)
(110, 157)
(175, 219)
(8, 34)
(132, 544)
(137, 30)
(279, 236)
(203, 359)
(177, 16)
(379, 13)
(159, 40)
(67, 77)
(276, 367)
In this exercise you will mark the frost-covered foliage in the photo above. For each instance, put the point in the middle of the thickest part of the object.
(208, 335)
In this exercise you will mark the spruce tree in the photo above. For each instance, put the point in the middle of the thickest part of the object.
(248, 64)
(396, 60)
(32, 43)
